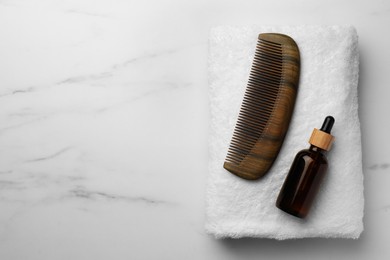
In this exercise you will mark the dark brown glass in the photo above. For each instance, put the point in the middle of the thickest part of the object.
(302, 182)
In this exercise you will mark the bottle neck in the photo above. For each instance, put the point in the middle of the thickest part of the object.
(315, 149)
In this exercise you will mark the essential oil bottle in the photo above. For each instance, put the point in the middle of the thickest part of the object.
(306, 173)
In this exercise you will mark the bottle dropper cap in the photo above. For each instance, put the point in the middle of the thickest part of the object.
(322, 138)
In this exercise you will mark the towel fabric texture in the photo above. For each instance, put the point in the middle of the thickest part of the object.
(328, 86)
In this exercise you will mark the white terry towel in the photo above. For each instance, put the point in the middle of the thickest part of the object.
(328, 86)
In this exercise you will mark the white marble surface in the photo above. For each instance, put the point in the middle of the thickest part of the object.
(104, 123)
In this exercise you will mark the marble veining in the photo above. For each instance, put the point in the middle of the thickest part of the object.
(51, 156)
(81, 192)
(78, 79)
(380, 166)
(17, 91)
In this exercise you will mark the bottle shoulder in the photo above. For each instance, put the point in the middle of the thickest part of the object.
(309, 154)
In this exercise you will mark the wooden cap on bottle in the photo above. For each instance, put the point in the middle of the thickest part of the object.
(321, 139)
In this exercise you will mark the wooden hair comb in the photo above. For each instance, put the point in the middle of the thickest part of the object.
(267, 107)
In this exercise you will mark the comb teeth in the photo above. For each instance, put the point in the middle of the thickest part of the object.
(267, 107)
(259, 99)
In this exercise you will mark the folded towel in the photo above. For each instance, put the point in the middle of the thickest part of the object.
(328, 86)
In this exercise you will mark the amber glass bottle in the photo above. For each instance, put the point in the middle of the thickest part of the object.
(306, 173)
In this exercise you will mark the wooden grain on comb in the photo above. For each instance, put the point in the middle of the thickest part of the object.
(267, 107)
